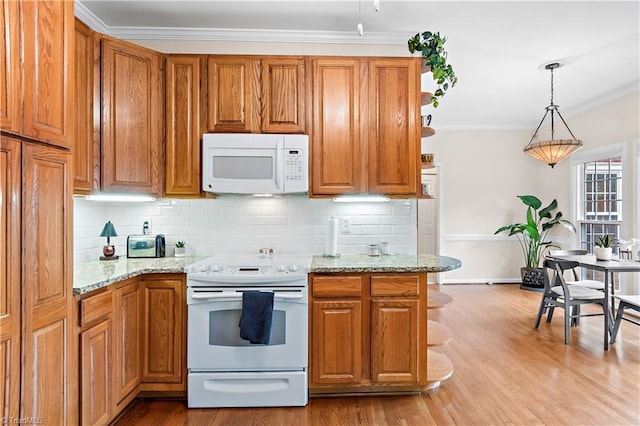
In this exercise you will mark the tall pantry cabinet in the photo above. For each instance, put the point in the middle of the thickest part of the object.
(38, 350)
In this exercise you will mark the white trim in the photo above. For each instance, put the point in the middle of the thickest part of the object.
(482, 281)
(611, 95)
(476, 238)
(485, 126)
(636, 185)
(238, 35)
(89, 18)
(262, 36)
(595, 154)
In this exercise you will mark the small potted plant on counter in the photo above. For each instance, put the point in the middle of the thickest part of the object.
(603, 248)
(532, 237)
(180, 249)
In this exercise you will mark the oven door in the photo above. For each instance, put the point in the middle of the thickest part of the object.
(214, 343)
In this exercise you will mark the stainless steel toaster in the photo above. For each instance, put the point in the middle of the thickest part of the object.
(146, 246)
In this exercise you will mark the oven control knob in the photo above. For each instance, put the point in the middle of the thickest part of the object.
(293, 268)
(216, 268)
(204, 268)
(281, 268)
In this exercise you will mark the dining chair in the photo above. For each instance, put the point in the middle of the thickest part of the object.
(559, 294)
(599, 285)
(626, 302)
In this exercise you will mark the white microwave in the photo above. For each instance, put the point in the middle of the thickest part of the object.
(237, 163)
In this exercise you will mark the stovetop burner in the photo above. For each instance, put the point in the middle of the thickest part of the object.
(248, 269)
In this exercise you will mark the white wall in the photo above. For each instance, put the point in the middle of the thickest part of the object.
(485, 170)
(236, 224)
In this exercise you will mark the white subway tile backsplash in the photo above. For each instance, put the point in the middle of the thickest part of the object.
(239, 224)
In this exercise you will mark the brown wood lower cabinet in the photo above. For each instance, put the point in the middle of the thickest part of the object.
(368, 332)
(164, 337)
(132, 339)
(128, 344)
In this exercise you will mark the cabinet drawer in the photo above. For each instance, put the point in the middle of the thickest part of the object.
(95, 307)
(395, 285)
(337, 286)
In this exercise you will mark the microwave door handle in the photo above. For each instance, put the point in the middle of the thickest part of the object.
(279, 165)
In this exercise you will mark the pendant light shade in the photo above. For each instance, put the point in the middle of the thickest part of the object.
(552, 151)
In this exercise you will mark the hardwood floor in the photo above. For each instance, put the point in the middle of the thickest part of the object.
(505, 372)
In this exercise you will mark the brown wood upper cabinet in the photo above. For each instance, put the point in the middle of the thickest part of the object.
(86, 141)
(366, 133)
(256, 94)
(132, 118)
(37, 92)
(183, 126)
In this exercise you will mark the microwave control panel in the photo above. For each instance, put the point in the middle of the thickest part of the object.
(296, 163)
(293, 163)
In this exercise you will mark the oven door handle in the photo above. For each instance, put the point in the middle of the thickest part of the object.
(238, 295)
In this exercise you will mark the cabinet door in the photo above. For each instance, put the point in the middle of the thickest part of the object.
(47, 29)
(338, 105)
(283, 96)
(128, 322)
(163, 322)
(183, 126)
(86, 141)
(394, 341)
(10, 262)
(336, 336)
(49, 390)
(394, 130)
(233, 103)
(96, 373)
(9, 67)
(132, 145)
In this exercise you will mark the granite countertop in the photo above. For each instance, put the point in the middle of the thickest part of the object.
(94, 274)
(391, 263)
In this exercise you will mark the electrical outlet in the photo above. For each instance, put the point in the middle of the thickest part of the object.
(146, 226)
(345, 225)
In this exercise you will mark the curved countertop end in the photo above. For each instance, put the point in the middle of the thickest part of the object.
(94, 274)
(392, 263)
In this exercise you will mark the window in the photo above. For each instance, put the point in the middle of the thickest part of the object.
(600, 200)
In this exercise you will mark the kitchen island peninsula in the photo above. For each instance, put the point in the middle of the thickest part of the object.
(368, 324)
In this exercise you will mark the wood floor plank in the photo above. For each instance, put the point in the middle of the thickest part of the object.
(505, 373)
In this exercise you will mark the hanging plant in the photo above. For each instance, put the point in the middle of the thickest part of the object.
(431, 46)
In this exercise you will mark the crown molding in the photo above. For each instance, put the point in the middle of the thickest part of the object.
(238, 35)
(88, 17)
(252, 35)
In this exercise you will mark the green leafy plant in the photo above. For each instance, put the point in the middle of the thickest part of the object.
(180, 244)
(604, 241)
(532, 235)
(431, 46)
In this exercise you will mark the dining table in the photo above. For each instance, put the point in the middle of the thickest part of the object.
(609, 267)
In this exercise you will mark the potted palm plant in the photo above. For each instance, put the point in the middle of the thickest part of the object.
(532, 236)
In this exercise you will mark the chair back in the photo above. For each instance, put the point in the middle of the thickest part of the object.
(560, 253)
(554, 273)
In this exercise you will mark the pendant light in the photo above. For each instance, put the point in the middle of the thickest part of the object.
(552, 151)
